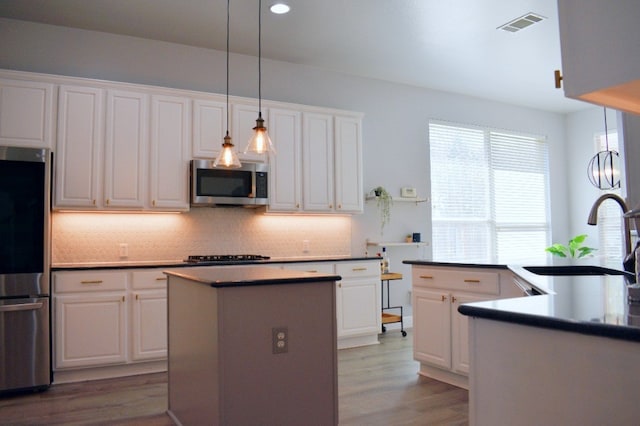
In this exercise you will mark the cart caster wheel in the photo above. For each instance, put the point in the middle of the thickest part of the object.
(384, 329)
(404, 333)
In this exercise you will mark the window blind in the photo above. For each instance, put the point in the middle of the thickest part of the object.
(489, 192)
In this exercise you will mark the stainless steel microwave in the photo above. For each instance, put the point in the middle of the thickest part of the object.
(214, 186)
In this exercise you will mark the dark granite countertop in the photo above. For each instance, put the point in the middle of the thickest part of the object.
(182, 264)
(248, 276)
(586, 304)
(455, 264)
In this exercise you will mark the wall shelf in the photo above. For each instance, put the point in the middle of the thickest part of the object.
(395, 244)
(401, 199)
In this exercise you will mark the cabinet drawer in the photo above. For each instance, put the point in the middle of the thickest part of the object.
(320, 267)
(152, 278)
(358, 269)
(89, 281)
(471, 280)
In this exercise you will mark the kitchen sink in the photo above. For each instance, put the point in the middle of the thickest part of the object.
(576, 270)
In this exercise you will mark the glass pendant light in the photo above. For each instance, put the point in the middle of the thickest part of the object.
(260, 142)
(228, 157)
(603, 170)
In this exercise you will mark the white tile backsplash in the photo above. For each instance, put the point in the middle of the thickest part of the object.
(95, 237)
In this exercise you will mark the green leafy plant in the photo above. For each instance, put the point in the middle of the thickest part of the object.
(575, 249)
(383, 202)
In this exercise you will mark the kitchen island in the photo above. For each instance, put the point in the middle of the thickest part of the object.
(252, 345)
(566, 357)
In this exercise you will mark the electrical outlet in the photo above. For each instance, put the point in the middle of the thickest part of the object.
(124, 250)
(280, 340)
(305, 246)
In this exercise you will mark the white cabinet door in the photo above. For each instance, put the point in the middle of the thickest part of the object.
(317, 162)
(209, 127)
(149, 324)
(26, 113)
(79, 146)
(357, 303)
(460, 332)
(285, 176)
(431, 327)
(90, 330)
(169, 165)
(126, 149)
(348, 165)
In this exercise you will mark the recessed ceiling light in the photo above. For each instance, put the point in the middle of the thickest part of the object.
(279, 8)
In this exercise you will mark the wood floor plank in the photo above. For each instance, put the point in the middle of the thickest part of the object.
(378, 385)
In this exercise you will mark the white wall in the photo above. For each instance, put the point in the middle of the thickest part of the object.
(394, 126)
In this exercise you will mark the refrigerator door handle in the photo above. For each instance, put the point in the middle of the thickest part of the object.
(21, 307)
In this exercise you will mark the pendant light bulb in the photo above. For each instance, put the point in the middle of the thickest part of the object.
(260, 142)
(227, 157)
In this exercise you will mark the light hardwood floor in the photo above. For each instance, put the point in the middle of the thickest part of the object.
(378, 385)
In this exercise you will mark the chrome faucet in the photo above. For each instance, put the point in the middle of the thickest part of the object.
(593, 217)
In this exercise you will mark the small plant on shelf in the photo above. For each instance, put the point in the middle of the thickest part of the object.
(383, 202)
(575, 249)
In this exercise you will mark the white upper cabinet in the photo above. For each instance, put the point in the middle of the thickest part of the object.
(79, 147)
(209, 122)
(317, 162)
(285, 175)
(169, 153)
(126, 149)
(26, 113)
(599, 44)
(348, 165)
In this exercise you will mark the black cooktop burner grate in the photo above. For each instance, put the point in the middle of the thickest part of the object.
(225, 258)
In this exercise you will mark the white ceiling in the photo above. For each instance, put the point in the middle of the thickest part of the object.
(449, 45)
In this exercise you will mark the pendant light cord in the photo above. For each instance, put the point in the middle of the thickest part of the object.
(260, 58)
(228, 4)
(606, 131)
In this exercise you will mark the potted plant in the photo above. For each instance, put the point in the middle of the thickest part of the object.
(383, 202)
(408, 238)
(575, 249)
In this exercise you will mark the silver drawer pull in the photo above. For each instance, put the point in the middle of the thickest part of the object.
(161, 279)
(473, 281)
(91, 282)
(21, 307)
(426, 277)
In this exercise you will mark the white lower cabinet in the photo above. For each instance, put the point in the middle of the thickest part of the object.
(358, 303)
(108, 323)
(440, 332)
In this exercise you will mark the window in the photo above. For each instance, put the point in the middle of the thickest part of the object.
(490, 193)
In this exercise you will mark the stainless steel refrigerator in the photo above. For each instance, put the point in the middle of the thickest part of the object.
(25, 338)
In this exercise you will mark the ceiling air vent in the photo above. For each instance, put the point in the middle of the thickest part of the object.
(521, 23)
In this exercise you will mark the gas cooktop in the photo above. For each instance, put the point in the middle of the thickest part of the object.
(212, 258)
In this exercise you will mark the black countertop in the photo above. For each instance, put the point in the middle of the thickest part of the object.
(182, 264)
(248, 276)
(587, 304)
(455, 264)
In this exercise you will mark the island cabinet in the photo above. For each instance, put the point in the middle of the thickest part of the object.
(27, 113)
(252, 346)
(108, 323)
(441, 333)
